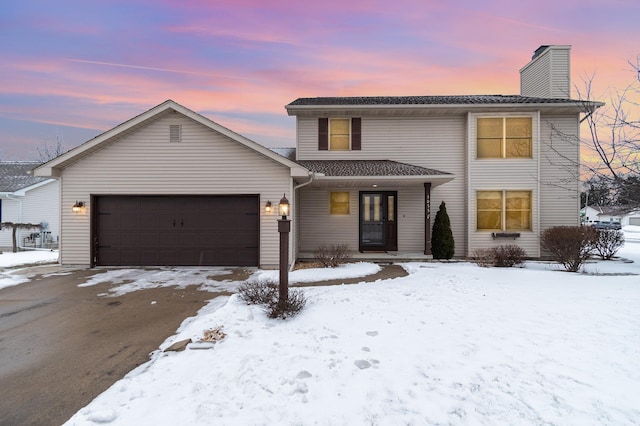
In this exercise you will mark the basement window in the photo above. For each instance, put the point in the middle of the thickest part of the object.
(175, 133)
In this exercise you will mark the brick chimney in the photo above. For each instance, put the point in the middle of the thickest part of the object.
(548, 73)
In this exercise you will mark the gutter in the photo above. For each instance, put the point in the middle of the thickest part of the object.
(312, 175)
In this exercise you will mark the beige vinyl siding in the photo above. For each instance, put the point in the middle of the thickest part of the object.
(319, 227)
(9, 214)
(501, 174)
(42, 204)
(560, 74)
(559, 171)
(433, 142)
(548, 75)
(535, 79)
(146, 163)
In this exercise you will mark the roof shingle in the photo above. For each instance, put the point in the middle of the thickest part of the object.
(14, 175)
(427, 100)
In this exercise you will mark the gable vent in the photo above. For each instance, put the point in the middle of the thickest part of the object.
(175, 133)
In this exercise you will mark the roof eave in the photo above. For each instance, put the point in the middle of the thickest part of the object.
(579, 105)
(54, 167)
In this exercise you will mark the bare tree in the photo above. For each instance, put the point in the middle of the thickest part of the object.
(51, 149)
(612, 140)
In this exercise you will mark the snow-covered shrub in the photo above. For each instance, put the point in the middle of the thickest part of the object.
(608, 243)
(504, 256)
(289, 307)
(266, 293)
(332, 256)
(570, 246)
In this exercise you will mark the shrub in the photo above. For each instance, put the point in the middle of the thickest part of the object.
(442, 244)
(483, 258)
(570, 246)
(608, 243)
(289, 307)
(266, 293)
(258, 292)
(502, 256)
(332, 256)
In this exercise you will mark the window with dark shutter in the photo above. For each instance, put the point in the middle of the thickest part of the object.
(356, 138)
(323, 134)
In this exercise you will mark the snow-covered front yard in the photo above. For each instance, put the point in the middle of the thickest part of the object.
(448, 344)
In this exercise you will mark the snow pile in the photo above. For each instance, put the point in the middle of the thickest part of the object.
(448, 344)
(8, 259)
(13, 260)
(350, 270)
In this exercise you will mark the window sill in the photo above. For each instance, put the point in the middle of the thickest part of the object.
(513, 235)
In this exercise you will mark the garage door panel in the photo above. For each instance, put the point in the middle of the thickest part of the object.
(177, 230)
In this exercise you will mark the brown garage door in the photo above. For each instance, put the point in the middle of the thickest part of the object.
(176, 230)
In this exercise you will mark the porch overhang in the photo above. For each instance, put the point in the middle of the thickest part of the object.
(380, 182)
(372, 174)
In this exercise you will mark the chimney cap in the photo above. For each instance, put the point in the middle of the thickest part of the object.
(539, 51)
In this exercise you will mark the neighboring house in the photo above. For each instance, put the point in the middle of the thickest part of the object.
(28, 199)
(171, 187)
(625, 215)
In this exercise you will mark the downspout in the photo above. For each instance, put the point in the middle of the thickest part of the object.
(311, 176)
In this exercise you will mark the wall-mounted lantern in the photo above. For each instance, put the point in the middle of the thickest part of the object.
(267, 207)
(78, 207)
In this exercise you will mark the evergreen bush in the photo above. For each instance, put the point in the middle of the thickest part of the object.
(442, 244)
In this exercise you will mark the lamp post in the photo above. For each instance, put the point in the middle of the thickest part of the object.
(284, 227)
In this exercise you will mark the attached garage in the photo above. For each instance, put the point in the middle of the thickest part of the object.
(634, 221)
(176, 230)
(170, 187)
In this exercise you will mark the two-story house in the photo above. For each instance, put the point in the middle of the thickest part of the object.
(506, 166)
(171, 187)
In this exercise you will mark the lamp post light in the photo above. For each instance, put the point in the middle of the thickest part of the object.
(284, 227)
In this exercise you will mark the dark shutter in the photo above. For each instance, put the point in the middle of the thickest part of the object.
(323, 134)
(356, 132)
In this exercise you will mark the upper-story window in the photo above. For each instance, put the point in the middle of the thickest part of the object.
(504, 137)
(339, 134)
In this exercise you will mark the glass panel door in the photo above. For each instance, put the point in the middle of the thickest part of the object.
(372, 226)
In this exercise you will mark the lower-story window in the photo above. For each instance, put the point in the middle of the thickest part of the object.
(503, 210)
(339, 203)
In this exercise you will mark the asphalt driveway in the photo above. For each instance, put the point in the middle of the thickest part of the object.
(62, 345)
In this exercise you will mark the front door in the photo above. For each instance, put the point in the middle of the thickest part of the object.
(378, 226)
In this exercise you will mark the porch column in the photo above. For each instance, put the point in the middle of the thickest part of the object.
(427, 218)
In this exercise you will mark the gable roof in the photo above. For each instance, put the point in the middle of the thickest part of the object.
(14, 175)
(53, 168)
(301, 104)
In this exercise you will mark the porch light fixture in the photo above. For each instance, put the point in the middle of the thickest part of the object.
(267, 207)
(284, 227)
(78, 207)
(284, 207)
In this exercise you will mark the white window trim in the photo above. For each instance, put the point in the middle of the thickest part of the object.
(503, 148)
(504, 210)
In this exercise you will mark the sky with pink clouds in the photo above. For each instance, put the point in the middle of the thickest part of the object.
(73, 69)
